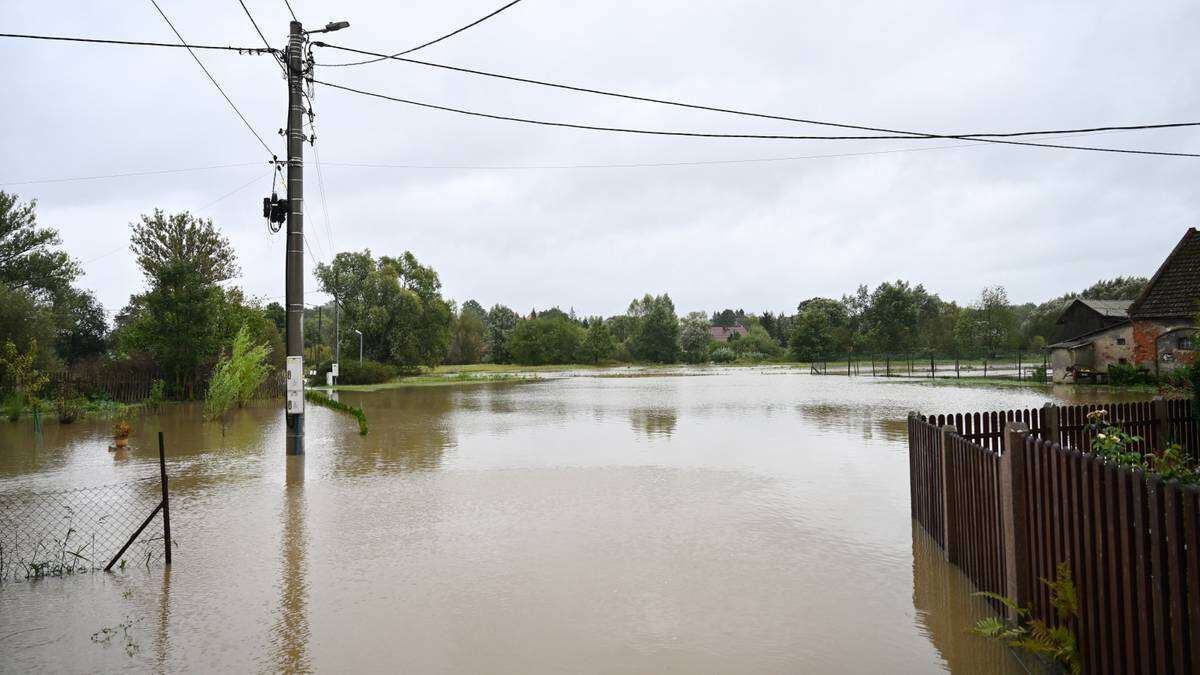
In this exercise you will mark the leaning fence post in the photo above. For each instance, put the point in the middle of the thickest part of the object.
(1050, 423)
(166, 503)
(949, 496)
(1015, 515)
(1160, 417)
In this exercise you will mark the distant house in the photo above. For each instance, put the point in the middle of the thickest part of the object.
(1085, 315)
(1164, 328)
(723, 333)
(1089, 355)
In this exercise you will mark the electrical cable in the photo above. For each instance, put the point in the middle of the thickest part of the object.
(324, 201)
(693, 106)
(646, 165)
(214, 80)
(587, 127)
(231, 193)
(384, 57)
(290, 10)
(137, 43)
(127, 175)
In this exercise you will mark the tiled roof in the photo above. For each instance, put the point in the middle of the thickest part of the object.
(1116, 308)
(1174, 291)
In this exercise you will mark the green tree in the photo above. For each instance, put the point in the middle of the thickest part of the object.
(546, 340)
(23, 319)
(178, 320)
(21, 375)
(598, 345)
(815, 330)
(28, 260)
(996, 320)
(467, 337)
(82, 328)
(694, 337)
(656, 336)
(395, 302)
(501, 321)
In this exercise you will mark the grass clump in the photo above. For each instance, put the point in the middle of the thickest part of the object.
(317, 398)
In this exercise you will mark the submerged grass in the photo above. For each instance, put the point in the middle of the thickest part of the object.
(324, 401)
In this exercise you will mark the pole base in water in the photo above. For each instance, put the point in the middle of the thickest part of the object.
(295, 435)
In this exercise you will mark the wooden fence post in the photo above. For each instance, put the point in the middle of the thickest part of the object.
(1014, 515)
(1160, 417)
(1050, 424)
(949, 495)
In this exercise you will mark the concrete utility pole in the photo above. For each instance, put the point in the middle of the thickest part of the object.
(337, 329)
(294, 267)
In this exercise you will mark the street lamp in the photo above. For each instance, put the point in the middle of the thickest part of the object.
(359, 345)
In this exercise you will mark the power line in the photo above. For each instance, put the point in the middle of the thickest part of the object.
(383, 57)
(290, 10)
(587, 127)
(985, 137)
(155, 172)
(324, 201)
(231, 193)
(214, 80)
(138, 43)
(255, 24)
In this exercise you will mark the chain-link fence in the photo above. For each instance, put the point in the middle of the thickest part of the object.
(66, 532)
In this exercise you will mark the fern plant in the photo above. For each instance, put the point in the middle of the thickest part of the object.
(1034, 635)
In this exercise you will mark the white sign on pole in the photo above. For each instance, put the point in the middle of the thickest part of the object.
(335, 369)
(295, 384)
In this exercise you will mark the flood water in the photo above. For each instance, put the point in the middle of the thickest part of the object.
(750, 521)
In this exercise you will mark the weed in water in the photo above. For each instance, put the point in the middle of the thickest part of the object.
(105, 636)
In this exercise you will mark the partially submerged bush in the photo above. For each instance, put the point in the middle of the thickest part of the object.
(237, 376)
(353, 372)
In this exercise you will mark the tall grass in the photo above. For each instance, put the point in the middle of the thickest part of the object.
(354, 411)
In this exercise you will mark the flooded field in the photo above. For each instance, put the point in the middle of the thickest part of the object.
(751, 521)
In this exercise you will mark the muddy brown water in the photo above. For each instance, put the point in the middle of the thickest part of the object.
(750, 521)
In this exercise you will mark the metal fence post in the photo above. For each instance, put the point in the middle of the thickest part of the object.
(166, 503)
(1015, 515)
(1050, 424)
(949, 496)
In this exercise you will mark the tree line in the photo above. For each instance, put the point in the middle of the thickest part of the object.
(190, 312)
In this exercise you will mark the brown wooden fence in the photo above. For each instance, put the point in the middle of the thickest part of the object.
(1008, 515)
(1157, 422)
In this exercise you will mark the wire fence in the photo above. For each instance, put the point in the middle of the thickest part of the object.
(1032, 366)
(47, 534)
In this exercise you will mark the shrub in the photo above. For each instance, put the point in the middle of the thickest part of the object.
(68, 409)
(157, 395)
(1123, 375)
(237, 376)
(353, 372)
(723, 355)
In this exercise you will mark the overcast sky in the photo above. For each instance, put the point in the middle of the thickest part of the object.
(755, 235)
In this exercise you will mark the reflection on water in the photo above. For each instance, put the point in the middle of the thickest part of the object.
(653, 421)
(290, 631)
(741, 522)
(946, 611)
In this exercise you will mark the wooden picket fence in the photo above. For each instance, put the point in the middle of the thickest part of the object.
(1008, 512)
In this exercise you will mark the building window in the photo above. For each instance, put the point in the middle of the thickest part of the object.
(1120, 341)
(1183, 343)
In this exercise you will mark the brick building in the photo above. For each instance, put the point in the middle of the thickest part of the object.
(1164, 316)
